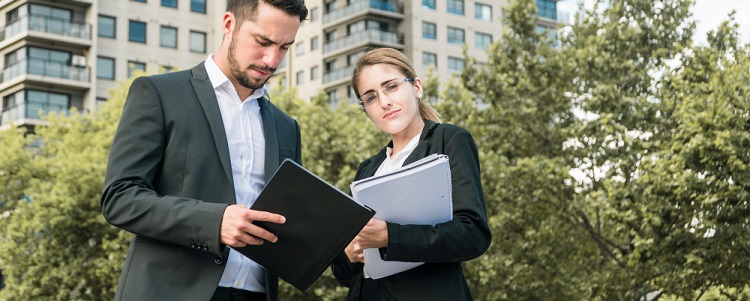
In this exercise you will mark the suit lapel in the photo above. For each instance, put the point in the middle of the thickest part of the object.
(272, 140)
(205, 92)
(423, 146)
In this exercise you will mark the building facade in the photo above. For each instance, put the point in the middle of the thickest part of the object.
(57, 55)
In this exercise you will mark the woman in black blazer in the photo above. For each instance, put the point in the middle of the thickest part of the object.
(390, 93)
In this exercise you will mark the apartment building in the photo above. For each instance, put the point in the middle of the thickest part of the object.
(62, 54)
(432, 33)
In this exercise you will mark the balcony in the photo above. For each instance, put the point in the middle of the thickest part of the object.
(23, 113)
(362, 7)
(71, 32)
(47, 71)
(364, 38)
(338, 74)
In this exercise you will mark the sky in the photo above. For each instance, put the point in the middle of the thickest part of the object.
(708, 14)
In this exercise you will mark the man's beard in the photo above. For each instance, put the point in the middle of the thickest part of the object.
(240, 74)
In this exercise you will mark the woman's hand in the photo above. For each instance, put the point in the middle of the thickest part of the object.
(355, 252)
(373, 235)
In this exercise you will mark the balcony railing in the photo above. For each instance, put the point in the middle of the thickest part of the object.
(45, 68)
(338, 74)
(30, 110)
(361, 5)
(46, 24)
(371, 35)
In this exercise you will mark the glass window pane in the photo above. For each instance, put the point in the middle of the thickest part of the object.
(168, 37)
(169, 3)
(197, 42)
(106, 27)
(198, 6)
(132, 66)
(105, 68)
(428, 4)
(429, 30)
(456, 7)
(428, 59)
(137, 32)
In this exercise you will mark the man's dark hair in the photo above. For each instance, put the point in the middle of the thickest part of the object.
(246, 10)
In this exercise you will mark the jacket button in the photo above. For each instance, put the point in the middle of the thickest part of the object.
(219, 260)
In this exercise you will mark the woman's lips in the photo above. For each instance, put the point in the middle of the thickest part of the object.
(391, 113)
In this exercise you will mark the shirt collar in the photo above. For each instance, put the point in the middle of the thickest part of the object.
(219, 79)
(407, 149)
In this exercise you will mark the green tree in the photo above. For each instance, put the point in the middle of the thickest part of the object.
(57, 245)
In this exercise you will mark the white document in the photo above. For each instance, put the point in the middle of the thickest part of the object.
(415, 194)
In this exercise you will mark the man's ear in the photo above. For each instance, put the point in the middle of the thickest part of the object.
(228, 23)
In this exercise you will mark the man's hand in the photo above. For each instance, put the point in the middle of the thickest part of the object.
(237, 229)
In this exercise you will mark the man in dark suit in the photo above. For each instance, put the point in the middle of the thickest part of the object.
(191, 153)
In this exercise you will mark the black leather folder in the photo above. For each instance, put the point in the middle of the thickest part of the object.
(320, 222)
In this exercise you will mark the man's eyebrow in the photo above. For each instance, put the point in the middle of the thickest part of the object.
(266, 39)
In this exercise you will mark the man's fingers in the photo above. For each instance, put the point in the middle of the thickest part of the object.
(256, 215)
(259, 233)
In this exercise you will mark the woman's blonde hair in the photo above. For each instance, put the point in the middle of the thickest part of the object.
(398, 60)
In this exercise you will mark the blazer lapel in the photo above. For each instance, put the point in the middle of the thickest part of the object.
(272, 140)
(423, 146)
(205, 92)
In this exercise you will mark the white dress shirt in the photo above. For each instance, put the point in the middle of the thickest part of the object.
(244, 130)
(397, 160)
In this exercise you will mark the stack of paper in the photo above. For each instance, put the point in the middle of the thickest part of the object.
(416, 194)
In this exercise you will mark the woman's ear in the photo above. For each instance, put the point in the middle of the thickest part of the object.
(418, 86)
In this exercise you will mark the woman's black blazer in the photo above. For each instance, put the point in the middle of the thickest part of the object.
(444, 246)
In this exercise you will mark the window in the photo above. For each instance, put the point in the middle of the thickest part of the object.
(428, 4)
(300, 77)
(483, 11)
(483, 40)
(45, 101)
(429, 30)
(330, 66)
(105, 68)
(107, 26)
(198, 6)
(455, 64)
(168, 37)
(300, 49)
(314, 43)
(429, 59)
(329, 6)
(314, 72)
(142, 1)
(47, 62)
(132, 66)
(197, 41)
(455, 35)
(332, 96)
(137, 32)
(169, 3)
(314, 12)
(456, 7)
(167, 68)
(547, 9)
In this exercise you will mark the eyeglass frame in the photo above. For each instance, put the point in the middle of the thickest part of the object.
(397, 83)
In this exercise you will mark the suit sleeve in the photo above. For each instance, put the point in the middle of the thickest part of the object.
(465, 237)
(129, 200)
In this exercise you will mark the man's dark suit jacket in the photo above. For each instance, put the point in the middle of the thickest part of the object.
(442, 247)
(169, 180)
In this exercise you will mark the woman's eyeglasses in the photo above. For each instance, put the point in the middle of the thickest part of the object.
(371, 97)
